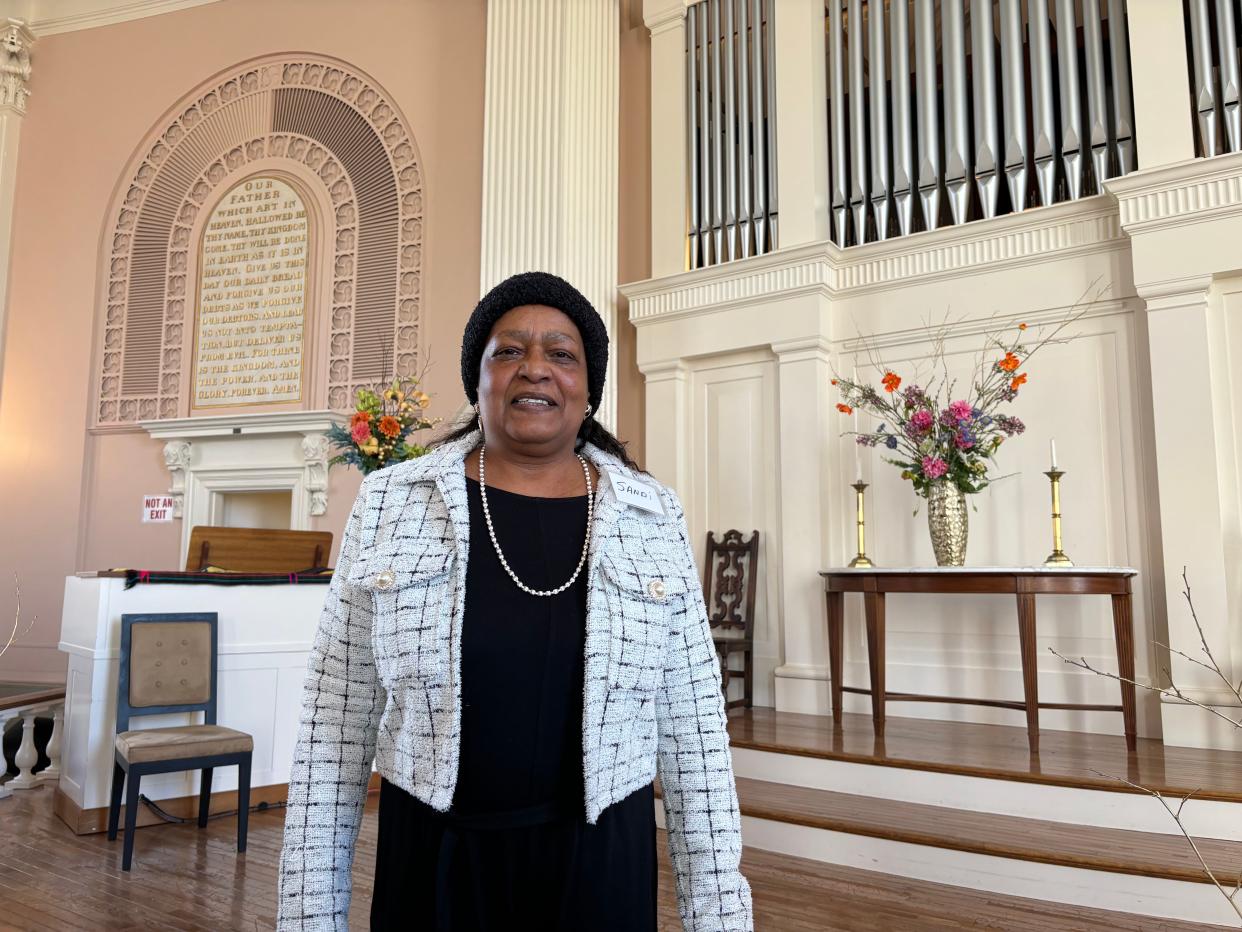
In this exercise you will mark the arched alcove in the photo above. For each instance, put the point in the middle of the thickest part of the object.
(343, 135)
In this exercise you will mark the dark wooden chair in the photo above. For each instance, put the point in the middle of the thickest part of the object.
(168, 664)
(729, 584)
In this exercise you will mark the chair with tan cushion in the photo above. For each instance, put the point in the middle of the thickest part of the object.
(168, 664)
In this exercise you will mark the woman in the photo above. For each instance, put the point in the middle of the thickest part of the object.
(516, 633)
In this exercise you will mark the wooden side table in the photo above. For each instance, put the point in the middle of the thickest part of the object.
(1025, 584)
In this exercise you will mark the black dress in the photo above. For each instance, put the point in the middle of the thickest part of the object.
(515, 851)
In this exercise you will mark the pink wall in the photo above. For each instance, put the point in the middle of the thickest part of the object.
(70, 500)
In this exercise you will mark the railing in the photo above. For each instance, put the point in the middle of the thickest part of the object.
(731, 131)
(27, 754)
(924, 123)
(1214, 81)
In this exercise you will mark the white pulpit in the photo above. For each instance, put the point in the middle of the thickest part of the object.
(265, 635)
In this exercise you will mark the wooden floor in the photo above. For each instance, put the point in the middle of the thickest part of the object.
(187, 879)
(1065, 758)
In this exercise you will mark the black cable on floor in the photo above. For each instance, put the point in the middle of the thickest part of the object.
(179, 820)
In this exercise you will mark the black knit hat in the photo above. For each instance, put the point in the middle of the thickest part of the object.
(535, 288)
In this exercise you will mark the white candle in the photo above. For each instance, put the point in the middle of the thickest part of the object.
(1052, 449)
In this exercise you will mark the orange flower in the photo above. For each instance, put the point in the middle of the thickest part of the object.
(845, 409)
(1010, 362)
(389, 426)
(1021, 326)
(360, 417)
(892, 381)
(1019, 379)
(834, 381)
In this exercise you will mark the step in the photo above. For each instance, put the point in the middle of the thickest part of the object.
(1142, 854)
(998, 752)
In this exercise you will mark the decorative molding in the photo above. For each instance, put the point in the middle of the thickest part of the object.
(177, 454)
(1014, 240)
(269, 109)
(15, 44)
(1182, 193)
(316, 449)
(50, 17)
(1029, 237)
(759, 279)
(662, 15)
(226, 425)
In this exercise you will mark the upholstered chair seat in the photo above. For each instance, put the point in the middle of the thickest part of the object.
(152, 744)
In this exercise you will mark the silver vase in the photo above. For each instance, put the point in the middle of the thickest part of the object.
(948, 522)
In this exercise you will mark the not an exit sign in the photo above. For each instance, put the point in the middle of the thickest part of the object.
(157, 508)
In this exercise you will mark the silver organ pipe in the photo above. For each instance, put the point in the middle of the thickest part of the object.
(1013, 92)
(1043, 133)
(730, 131)
(860, 187)
(745, 115)
(1204, 93)
(877, 75)
(903, 146)
(692, 140)
(838, 130)
(957, 173)
(1097, 104)
(1071, 97)
(928, 110)
(987, 132)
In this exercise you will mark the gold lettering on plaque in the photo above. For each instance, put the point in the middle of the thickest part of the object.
(252, 297)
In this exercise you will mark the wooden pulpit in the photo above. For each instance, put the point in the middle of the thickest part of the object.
(256, 550)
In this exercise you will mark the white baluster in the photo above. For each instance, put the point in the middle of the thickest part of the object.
(27, 756)
(4, 724)
(51, 773)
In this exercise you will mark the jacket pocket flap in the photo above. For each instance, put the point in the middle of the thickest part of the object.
(388, 568)
(644, 578)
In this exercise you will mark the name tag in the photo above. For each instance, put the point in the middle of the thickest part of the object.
(636, 494)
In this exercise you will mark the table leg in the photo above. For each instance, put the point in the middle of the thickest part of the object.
(1030, 669)
(836, 629)
(1123, 631)
(874, 602)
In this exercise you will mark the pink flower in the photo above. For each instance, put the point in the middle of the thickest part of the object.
(360, 432)
(922, 421)
(961, 410)
(934, 467)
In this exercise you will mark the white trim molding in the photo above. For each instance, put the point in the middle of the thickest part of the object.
(208, 456)
(1179, 194)
(49, 17)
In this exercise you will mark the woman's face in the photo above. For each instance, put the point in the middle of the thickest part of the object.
(533, 380)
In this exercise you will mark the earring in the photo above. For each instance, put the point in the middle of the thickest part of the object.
(477, 413)
(588, 413)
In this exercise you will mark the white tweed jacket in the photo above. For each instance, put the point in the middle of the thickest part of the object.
(384, 683)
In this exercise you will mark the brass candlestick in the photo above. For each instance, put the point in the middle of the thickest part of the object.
(861, 561)
(1057, 557)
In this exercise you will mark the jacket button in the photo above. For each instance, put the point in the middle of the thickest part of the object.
(656, 588)
(385, 579)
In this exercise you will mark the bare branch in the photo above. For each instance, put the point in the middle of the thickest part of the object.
(1177, 817)
(1171, 691)
(17, 631)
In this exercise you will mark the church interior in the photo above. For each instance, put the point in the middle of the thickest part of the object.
(923, 308)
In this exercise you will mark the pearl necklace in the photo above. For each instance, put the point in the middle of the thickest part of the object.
(491, 532)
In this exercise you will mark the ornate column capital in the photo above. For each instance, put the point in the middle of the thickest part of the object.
(16, 42)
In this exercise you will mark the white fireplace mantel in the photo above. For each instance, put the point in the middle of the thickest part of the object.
(208, 457)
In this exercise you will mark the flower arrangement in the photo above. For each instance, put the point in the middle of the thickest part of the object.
(380, 427)
(937, 438)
